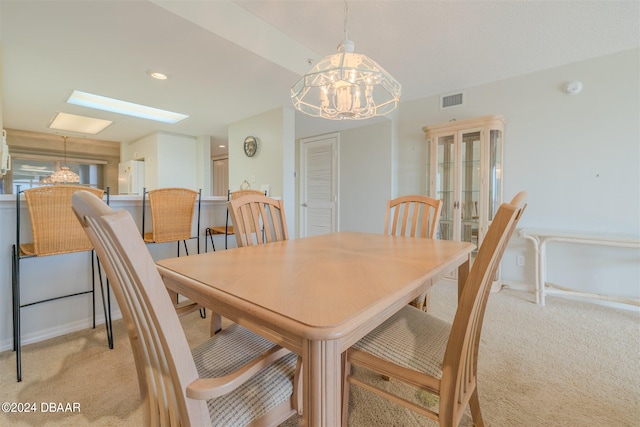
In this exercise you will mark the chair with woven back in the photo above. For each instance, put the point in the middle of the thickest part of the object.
(227, 229)
(236, 378)
(55, 231)
(430, 354)
(172, 216)
(415, 216)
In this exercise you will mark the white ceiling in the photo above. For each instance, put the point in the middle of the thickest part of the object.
(230, 60)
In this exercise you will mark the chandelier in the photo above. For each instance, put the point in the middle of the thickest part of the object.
(64, 175)
(346, 85)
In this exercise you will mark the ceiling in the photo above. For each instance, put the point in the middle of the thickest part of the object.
(230, 60)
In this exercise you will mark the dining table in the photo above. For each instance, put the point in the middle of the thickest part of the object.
(317, 295)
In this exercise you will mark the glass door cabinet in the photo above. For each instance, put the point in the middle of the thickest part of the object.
(464, 170)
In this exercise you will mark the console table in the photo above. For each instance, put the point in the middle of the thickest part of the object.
(541, 238)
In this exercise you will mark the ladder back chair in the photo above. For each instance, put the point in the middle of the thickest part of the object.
(172, 216)
(236, 378)
(430, 354)
(227, 229)
(415, 216)
(260, 216)
(55, 230)
(254, 215)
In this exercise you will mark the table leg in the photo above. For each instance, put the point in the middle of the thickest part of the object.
(463, 273)
(321, 383)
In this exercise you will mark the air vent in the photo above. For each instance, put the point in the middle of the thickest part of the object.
(452, 100)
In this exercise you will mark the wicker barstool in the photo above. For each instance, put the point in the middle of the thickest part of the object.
(172, 212)
(55, 231)
(172, 215)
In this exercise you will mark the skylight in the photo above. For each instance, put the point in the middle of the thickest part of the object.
(123, 107)
(80, 124)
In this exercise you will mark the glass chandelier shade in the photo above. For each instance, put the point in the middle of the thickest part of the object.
(64, 175)
(346, 85)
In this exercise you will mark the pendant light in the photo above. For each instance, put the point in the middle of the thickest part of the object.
(346, 86)
(64, 175)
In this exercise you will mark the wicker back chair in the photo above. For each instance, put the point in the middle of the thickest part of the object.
(236, 378)
(428, 353)
(227, 229)
(172, 214)
(55, 230)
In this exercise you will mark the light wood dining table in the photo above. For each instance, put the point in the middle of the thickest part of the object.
(317, 295)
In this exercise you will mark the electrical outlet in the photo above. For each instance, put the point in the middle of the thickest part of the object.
(520, 261)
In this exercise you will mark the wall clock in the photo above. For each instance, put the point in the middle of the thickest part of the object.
(250, 146)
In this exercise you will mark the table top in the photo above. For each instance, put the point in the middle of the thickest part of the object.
(322, 281)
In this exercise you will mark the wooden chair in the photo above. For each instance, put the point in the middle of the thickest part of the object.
(55, 230)
(260, 216)
(254, 215)
(227, 229)
(236, 378)
(172, 215)
(415, 216)
(422, 211)
(433, 355)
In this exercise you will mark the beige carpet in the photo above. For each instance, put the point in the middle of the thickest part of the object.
(566, 364)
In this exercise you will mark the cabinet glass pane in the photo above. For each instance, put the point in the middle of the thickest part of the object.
(444, 185)
(495, 171)
(470, 186)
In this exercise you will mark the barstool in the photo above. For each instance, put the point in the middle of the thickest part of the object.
(55, 230)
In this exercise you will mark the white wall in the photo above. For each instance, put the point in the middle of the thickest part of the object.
(366, 176)
(170, 160)
(177, 161)
(274, 161)
(577, 156)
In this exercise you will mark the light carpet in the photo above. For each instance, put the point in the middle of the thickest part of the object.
(568, 363)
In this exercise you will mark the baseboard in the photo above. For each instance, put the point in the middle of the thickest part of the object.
(45, 334)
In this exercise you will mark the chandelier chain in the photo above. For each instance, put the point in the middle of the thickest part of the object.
(346, 19)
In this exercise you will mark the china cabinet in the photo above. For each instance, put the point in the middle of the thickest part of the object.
(464, 170)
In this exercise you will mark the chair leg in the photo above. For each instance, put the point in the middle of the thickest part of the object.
(93, 290)
(16, 312)
(208, 234)
(216, 324)
(106, 306)
(476, 414)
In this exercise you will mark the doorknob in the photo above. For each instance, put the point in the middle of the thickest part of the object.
(304, 205)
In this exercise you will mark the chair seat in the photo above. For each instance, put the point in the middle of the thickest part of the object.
(266, 390)
(27, 249)
(410, 338)
(221, 229)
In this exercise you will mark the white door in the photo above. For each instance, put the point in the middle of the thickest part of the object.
(319, 185)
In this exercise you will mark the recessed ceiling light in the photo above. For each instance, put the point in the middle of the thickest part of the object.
(157, 75)
(123, 107)
(79, 124)
(222, 146)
